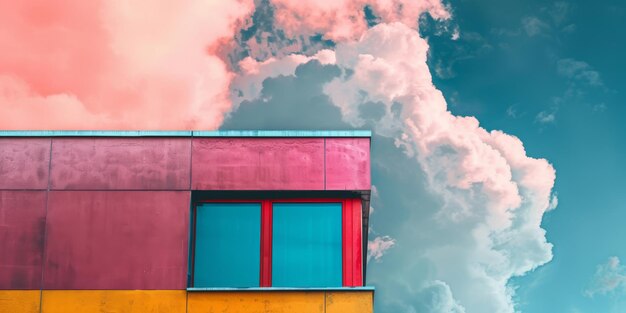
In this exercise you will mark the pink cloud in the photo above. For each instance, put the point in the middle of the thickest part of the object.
(344, 19)
(377, 247)
(115, 64)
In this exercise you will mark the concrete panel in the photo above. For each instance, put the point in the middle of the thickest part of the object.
(20, 301)
(350, 302)
(117, 240)
(256, 302)
(258, 164)
(22, 222)
(24, 163)
(348, 164)
(121, 163)
(127, 301)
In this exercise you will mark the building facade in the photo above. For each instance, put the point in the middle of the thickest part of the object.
(223, 221)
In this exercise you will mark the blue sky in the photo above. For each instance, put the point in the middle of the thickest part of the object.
(506, 73)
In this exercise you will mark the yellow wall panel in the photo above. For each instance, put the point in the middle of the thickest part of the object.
(19, 301)
(256, 302)
(118, 301)
(350, 302)
(175, 301)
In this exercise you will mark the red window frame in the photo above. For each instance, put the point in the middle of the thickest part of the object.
(351, 231)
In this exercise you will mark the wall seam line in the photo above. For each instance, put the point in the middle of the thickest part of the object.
(190, 162)
(190, 220)
(324, 163)
(186, 301)
(45, 229)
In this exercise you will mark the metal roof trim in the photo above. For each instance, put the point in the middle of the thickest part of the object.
(215, 133)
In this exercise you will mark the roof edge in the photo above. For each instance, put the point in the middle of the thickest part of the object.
(165, 133)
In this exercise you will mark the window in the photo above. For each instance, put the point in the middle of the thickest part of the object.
(306, 245)
(296, 243)
(228, 241)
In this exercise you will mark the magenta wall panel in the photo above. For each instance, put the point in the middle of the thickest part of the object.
(348, 164)
(117, 240)
(121, 163)
(22, 221)
(24, 163)
(258, 164)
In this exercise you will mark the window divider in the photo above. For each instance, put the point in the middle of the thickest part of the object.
(192, 251)
(266, 243)
(346, 250)
(352, 265)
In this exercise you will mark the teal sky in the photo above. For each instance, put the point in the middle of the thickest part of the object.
(505, 71)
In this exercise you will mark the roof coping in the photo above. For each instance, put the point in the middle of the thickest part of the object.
(195, 133)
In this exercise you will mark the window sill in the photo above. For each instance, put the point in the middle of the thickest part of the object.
(365, 288)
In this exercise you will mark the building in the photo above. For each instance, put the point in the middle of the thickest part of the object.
(222, 221)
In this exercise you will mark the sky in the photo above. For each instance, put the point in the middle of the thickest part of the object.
(496, 149)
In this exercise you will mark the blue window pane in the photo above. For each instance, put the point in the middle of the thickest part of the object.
(228, 245)
(306, 245)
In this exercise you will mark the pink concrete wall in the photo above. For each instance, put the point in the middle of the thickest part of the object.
(101, 237)
(121, 163)
(348, 164)
(22, 221)
(117, 240)
(258, 164)
(24, 163)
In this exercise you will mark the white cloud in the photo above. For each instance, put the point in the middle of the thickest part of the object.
(440, 298)
(579, 71)
(610, 277)
(490, 196)
(554, 202)
(493, 196)
(456, 34)
(546, 117)
(533, 26)
(511, 111)
(559, 12)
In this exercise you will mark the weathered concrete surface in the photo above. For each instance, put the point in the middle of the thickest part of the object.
(348, 164)
(258, 164)
(281, 302)
(349, 302)
(22, 222)
(180, 301)
(256, 302)
(117, 240)
(127, 301)
(24, 163)
(20, 301)
(121, 163)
